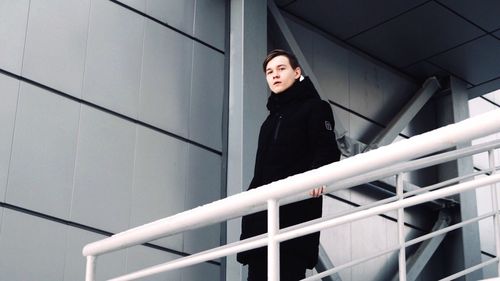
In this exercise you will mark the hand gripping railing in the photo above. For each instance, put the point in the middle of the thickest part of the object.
(342, 174)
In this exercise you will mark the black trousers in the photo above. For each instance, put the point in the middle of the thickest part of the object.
(291, 269)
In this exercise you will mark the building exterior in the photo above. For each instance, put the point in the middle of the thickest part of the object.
(117, 113)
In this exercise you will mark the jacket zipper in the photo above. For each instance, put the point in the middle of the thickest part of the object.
(276, 131)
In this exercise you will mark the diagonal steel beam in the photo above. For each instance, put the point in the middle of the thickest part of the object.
(416, 263)
(407, 113)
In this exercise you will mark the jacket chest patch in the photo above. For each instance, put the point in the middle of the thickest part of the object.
(328, 126)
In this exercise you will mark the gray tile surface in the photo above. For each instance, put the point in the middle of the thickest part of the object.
(476, 62)
(205, 124)
(103, 172)
(160, 173)
(56, 42)
(139, 5)
(25, 244)
(166, 79)
(427, 30)
(176, 13)
(108, 266)
(204, 186)
(114, 54)
(13, 21)
(9, 89)
(141, 257)
(43, 152)
(487, 17)
(210, 22)
(345, 19)
(331, 65)
(201, 272)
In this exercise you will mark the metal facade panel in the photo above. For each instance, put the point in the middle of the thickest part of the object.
(476, 62)
(203, 187)
(344, 19)
(25, 244)
(166, 79)
(483, 13)
(416, 35)
(9, 88)
(104, 169)
(56, 40)
(366, 94)
(141, 257)
(109, 265)
(43, 152)
(337, 241)
(207, 91)
(201, 272)
(139, 5)
(361, 129)
(210, 22)
(177, 13)
(13, 21)
(160, 173)
(368, 237)
(331, 65)
(424, 69)
(301, 33)
(114, 54)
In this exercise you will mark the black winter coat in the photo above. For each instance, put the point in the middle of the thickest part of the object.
(297, 136)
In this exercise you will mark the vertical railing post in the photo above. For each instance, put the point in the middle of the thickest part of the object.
(273, 246)
(401, 230)
(90, 269)
(494, 202)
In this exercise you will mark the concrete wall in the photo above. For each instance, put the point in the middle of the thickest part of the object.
(110, 117)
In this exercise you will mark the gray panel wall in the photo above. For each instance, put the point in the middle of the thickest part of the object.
(108, 120)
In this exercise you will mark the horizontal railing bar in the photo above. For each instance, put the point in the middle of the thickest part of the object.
(418, 199)
(229, 249)
(250, 201)
(261, 240)
(445, 183)
(408, 194)
(445, 156)
(470, 269)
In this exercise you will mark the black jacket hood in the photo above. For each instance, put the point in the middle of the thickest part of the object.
(300, 90)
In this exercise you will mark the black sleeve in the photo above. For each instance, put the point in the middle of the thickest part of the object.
(321, 135)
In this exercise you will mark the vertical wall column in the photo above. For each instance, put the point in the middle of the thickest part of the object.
(247, 103)
(466, 247)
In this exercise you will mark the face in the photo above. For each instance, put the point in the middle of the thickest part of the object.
(280, 75)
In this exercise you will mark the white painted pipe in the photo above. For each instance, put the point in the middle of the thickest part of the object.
(273, 246)
(401, 230)
(90, 268)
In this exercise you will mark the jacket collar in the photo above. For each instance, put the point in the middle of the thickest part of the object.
(300, 90)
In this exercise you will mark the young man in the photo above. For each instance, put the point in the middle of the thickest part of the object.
(297, 136)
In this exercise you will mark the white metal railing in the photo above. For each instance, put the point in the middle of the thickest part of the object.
(376, 164)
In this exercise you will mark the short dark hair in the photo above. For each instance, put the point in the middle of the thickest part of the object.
(279, 52)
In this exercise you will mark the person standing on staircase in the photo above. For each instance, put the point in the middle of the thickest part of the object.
(297, 136)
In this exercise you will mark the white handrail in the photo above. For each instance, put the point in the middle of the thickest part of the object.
(295, 188)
